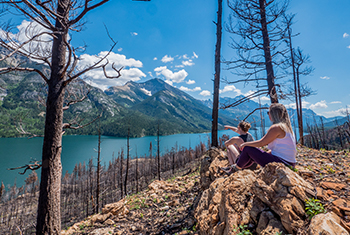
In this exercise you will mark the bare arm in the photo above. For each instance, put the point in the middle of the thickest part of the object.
(273, 133)
(235, 129)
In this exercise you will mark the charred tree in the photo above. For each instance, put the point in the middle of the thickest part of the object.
(257, 41)
(57, 18)
(215, 114)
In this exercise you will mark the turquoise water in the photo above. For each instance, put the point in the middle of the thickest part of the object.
(16, 152)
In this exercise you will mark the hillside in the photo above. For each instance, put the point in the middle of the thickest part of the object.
(186, 205)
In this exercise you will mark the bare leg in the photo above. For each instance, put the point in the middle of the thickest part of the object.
(232, 151)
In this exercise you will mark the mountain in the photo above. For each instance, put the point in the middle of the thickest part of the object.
(159, 100)
(241, 111)
(138, 106)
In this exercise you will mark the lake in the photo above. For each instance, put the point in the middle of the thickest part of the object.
(16, 152)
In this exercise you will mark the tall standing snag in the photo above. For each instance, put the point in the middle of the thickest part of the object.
(215, 115)
(257, 41)
(53, 19)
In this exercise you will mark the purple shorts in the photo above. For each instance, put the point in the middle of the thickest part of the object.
(249, 155)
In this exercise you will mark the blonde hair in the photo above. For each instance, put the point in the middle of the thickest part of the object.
(279, 116)
(244, 126)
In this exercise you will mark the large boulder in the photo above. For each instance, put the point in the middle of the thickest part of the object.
(270, 200)
(226, 203)
(284, 192)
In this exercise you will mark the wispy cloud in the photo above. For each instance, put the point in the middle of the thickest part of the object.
(189, 82)
(187, 63)
(319, 105)
(170, 76)
(333, 113)
(348, 47)
(205, 93)
(335, 102)
(195, 55)
(120, 49)
(167, 59)
(134, 33)
(325, 78)
(155, 58)
(345, 35)
(188, 89)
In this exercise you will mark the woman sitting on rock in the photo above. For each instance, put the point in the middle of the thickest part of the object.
(279, 139)
(233, 143)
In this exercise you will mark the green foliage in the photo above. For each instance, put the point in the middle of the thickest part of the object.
(242, 230)
(313, 207)
(293, 169)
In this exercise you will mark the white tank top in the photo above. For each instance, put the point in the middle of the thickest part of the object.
(284, 148)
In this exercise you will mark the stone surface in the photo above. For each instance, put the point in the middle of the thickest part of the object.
(332, 185)
(326, 224)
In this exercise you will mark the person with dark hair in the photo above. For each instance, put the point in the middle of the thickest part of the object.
(232, 145)
(279, 139)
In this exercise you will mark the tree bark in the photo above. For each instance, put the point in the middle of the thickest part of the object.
(267, 53)
(215, 115)
(49, 214)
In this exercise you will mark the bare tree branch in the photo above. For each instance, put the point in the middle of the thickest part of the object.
(34, 166)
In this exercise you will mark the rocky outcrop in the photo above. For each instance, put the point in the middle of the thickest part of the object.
(211, 162)
(269, 201)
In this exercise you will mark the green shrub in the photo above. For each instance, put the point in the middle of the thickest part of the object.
(313, 207)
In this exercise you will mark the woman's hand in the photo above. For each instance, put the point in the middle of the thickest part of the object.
(241, 147)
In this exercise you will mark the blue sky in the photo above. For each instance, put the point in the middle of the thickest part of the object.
(175, 41)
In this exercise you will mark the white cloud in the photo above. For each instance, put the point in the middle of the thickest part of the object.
(345, 35)
(325, 78)
(189, 82)
(229, 88)
(335, 102)
(188, 63)
(173, 77)
(134, 34)
(179, 66)
(348, 47)
(188, 89)
(167, 59)
(40, 45)
(205, 93)
(293, 105)
(195, 55)
(96, 77)
(120, 49)
(319, 105)
(185, 56)
(150, 74)
(155, 58)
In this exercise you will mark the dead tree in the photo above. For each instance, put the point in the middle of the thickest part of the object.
(158, 156)
(296, 61)
(98, 173)
(56, 18)
(127, 162)
(215, 114)
(257, 41)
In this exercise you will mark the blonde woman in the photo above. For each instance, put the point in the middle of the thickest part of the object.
(279, 139)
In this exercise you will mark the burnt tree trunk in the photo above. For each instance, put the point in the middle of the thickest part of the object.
(49, 214)
(215, 115)
(267, 53)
